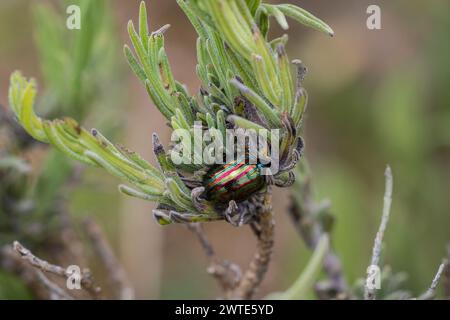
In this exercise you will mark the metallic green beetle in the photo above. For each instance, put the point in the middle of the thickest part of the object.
(235, 180)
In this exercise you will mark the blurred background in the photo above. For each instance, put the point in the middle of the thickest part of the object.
(376, 97)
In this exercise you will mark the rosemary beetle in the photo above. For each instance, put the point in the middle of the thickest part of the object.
(235, 180)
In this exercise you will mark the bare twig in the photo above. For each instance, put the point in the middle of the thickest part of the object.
(431, 292)
(12, 263)
(86, 277)
(226, 273)
(229, 276)
(120, 284)
(369, 294)
(37, 262)
(34, 279)
(197, 229)
(55, 292)
(253, 276)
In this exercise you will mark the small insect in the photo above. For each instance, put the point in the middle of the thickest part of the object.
(235, 180)
(233, 191)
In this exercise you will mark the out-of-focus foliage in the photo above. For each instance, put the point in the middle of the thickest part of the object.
(399, 115)
(77, 64)
(77, 67)
(79, 59)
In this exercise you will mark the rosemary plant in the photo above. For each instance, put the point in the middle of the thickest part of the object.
(247, 82)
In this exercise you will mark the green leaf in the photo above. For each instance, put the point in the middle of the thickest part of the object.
(179, 196)
(189, 12)
(253, 5)
(229, 26)
(265, 83)
(304, 17)
(244, 123)
(134, 65)
(137, 194)
(21, 99)
(267, 111)
(277, 14)
(262, 21)
(143, 24)
(287, 98)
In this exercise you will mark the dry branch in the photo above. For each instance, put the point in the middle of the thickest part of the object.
(225, 272)
(86, 280)
(257, 269)
(55, 291)
(12, 263)
(369, 294)
(233, 283)
(431, 292)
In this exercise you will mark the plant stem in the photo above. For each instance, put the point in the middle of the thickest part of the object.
(226, 273)
(369, 294)
(257, 269)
